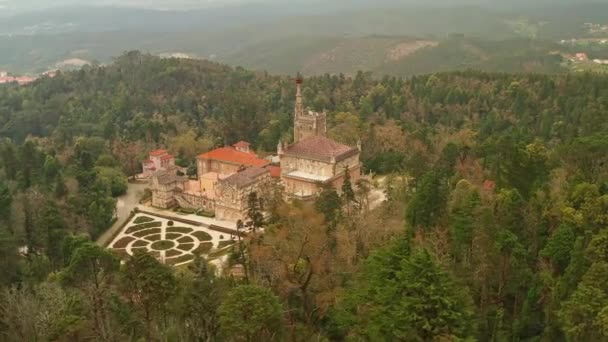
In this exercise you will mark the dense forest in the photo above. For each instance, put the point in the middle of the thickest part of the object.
(495, 226)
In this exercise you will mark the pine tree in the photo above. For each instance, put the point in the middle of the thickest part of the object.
(250, 313)
(348, 194)
(406, 296)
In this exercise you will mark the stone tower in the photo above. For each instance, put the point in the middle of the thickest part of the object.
(307, 123)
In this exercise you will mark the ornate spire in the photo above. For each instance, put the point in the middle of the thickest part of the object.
(299, 110)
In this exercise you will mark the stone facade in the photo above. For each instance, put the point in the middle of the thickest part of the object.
(226, 177)
(233, 191)
(165, 184)
(313, 159)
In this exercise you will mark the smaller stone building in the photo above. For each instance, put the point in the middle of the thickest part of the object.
(232, 192)
(165, 185)
(158, 160)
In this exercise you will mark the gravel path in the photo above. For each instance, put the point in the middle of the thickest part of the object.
(124, 205)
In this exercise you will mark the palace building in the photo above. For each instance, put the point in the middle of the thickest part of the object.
(226, 176)
(313, 159)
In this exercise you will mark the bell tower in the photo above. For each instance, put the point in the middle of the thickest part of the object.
(307, 124)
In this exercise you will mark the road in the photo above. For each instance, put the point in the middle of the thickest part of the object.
(124, 205)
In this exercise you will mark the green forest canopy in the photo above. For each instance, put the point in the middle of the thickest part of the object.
(497, 194)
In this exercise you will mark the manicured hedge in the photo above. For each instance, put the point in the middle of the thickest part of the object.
(122, 243)
(139, 227)
(172, 236)
(172, 253)
(179, 260)
(223, 244)
(121, 253)
(143, 219)
(186, 210)
(185, 239)
(206, 214)
(140, 243)
(185, 246)
(183, 230)
(203, 236)
(146, 232)
(155, 237)
(203, 248)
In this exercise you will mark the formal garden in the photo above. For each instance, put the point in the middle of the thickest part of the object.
(174, 243)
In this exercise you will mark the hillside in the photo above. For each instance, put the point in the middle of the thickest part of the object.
(399, 56)
(493, 227)
(285, 39)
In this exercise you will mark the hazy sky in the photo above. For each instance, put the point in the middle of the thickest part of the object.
(22, 5)
(8, 6)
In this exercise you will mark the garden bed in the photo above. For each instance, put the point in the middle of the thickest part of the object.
(146, 232)
(183, 230)
(143, 219)
(203, 248)
(122, 243)
(202, 236)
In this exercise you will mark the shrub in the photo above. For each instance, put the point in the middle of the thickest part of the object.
(203, 236)
(219, 253)
(170, 223)
(186, 210)
(223, 244)
(221, 237)
(205, 213)
(121, 253)
(179, 260)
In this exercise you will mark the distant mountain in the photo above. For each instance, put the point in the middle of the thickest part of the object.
(338, 36)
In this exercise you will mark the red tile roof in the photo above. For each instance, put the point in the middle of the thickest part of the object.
(242, 144)
(166, 157)
(229, 155)
(158, 153)
(320, 148)
(275, 171)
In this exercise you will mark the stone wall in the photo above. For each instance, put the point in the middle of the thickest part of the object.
(206, 166)
(314, 167)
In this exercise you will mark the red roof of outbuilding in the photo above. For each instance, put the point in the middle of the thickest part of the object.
(157, 153)
(230, 155)
(275, 171)
(242, 144)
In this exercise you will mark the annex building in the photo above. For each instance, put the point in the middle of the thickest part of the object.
(227, 175)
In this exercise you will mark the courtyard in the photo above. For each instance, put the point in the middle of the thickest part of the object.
(172, 242)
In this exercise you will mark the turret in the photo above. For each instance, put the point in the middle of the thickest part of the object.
(280, 148)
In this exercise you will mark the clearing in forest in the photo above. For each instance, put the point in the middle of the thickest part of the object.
(173, 243)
